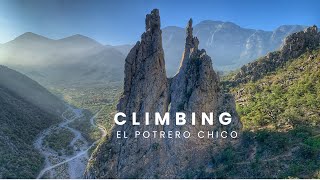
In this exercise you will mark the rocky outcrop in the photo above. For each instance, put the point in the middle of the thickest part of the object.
(293, 46)
(145, 90)
(195, 88)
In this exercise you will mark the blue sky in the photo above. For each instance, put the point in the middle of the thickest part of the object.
(122, 21)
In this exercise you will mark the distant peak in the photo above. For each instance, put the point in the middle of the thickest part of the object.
(291, 28)
(210, 22)
(172, 27)
(31, 36)
(224, 24)
(80, 39)
(77, 36)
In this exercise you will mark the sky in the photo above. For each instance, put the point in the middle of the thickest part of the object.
(116, 22)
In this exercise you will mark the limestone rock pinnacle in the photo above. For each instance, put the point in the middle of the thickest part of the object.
(195, 88)
(147, 89)
(153, 20)
(192, 43)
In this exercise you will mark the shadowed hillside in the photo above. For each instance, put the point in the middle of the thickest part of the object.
(26, 109)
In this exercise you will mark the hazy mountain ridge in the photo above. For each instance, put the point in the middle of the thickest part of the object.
(294, 45)
(48, 61)
(34, 50)
(30, 90)
(230, 45)
(124, 49)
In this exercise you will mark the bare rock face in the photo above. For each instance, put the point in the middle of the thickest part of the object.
(294, 45)
(195, 88)
(297, 43)
(145, 90)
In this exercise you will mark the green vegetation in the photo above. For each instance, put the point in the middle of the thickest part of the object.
(60, 141)
(268, 154)
(20, 122)
(280, 115)
(93, 98)
(106, 115)
(313, 142)
(283, 99)
(83, 125)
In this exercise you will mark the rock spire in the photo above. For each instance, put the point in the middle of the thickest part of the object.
(195, 88)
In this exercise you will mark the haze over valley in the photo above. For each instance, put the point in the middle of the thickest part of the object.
(86, 61)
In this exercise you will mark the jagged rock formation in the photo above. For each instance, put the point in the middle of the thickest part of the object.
(294, 45)
(195, 88)
(145, 90)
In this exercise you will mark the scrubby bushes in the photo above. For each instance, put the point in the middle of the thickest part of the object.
(288, 97)
(59, 140)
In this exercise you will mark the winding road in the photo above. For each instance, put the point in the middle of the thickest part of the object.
(70, 166)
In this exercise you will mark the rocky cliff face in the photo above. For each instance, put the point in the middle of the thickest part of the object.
(195, 88)
(293, 46)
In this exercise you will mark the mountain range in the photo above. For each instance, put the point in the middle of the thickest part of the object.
(230, 45)
(86, 61)
(49, 61)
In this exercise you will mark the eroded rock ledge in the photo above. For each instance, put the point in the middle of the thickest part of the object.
(195, 88)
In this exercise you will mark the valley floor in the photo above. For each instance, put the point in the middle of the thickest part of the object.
(67, 161)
